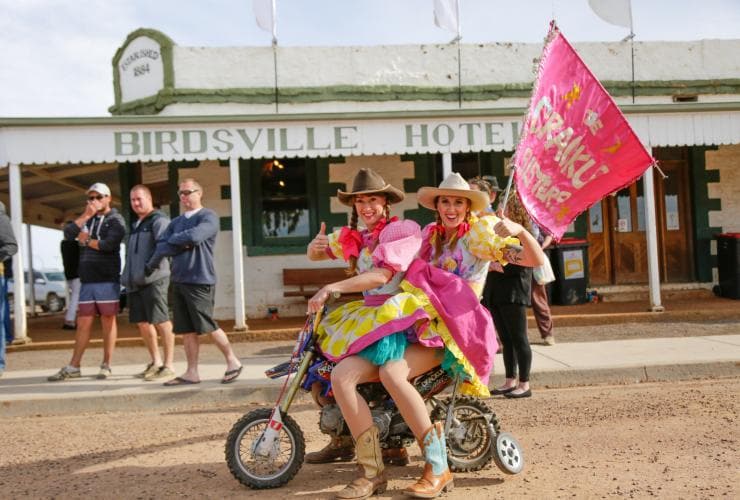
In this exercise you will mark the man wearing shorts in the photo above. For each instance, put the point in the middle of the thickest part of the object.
(99, 231)
(189, 240)
(147, 295)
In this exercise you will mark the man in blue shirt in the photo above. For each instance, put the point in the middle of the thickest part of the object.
(189, 240)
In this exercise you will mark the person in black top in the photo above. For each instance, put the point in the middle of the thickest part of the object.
(71, 261)
(507, 296)
(99, 231)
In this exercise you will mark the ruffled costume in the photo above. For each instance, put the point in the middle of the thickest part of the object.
(463, 326)
(385, 314)
(414, 305)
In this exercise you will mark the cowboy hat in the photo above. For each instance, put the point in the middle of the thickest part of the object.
(493, 181)
(367, 181)
(453, 185)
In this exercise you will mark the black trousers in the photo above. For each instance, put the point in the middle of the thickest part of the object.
(511, 325)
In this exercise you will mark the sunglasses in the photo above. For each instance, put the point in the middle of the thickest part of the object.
(187, 192)
(98, 197)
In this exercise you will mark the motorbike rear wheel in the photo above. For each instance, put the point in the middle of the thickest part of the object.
(471, 440)
(258, 472)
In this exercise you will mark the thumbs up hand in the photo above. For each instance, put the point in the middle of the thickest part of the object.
(317, 247)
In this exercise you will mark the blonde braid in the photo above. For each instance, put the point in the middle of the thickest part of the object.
(437, 240)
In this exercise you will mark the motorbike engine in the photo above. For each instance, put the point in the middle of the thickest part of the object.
(382, 419)
(331, 420)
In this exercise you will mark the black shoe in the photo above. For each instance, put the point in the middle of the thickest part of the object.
(525, 394)
(502, 392)
(67, 326)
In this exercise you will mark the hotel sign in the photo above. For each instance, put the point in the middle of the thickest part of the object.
(161, 142)
(311, 140)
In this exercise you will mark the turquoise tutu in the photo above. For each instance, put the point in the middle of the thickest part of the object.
(389, 348)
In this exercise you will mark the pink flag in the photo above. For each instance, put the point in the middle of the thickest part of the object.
(576, 146)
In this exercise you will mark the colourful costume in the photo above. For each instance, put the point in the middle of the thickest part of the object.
(415, 305)
(462, 325)
(384, 311)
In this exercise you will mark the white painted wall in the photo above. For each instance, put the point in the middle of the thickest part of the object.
(436, 65)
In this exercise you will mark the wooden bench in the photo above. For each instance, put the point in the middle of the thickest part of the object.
(310, 280)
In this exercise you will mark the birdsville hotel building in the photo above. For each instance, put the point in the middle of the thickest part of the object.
(272, 133)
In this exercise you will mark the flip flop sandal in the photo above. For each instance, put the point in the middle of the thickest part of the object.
(179, 381)
(231, 375)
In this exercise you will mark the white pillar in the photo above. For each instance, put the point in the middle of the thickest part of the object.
(240, 323)
(446, 164)
(31, 281)
(16, 220)
(651, 233)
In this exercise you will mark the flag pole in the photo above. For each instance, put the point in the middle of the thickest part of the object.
(507, 191)
(274, 53)
(459, 56)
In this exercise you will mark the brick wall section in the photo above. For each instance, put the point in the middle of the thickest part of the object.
(726, 160)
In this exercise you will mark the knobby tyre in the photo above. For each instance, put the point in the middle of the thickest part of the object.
(472, 437)
(261, 473)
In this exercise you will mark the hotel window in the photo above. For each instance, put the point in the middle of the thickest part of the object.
(278, 204)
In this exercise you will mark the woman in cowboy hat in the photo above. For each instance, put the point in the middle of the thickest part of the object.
(453, 263)
(362, 336)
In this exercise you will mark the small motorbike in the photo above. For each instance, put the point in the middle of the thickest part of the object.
(266, 447)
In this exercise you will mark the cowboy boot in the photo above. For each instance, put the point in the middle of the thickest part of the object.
(436, 476)
(339, 449)
(395, 456)
(369, 459)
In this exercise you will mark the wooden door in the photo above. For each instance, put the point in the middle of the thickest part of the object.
(628, 242)
(616, 230)
(599, 244)
(673, 207)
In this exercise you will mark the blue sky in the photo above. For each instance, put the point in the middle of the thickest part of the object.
(56, 54)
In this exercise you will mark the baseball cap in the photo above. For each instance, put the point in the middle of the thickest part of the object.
(99, 187)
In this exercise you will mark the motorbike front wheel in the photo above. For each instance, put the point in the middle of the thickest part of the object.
(471, 440)
(264, 472)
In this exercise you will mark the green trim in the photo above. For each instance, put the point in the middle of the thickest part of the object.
(165, 49)
(701, 205)
(172, 177)
(424, 175)
(226, 192)
(385, 93)
(127, 178)
(325, 190)
(677, 107)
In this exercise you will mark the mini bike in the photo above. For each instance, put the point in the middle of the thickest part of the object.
(265, 448)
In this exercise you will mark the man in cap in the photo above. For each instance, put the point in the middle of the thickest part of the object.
(99, 231)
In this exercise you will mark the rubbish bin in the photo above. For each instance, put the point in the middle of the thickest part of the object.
(569, 259)
(728, 264)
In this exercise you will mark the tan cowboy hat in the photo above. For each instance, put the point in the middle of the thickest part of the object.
(453, 185)
(367, 181)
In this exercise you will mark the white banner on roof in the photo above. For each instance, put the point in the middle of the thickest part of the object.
(167, 142)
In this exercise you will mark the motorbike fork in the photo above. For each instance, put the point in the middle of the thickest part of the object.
(451, 407)
(266, 444)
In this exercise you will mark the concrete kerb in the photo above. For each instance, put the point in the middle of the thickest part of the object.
(249, 392)
(635, 374)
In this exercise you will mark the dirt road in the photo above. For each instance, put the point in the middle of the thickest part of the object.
(676, 440)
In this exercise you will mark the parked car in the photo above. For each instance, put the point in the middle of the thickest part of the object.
(49, 287)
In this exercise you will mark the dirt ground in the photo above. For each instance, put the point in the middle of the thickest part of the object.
(665, 440)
